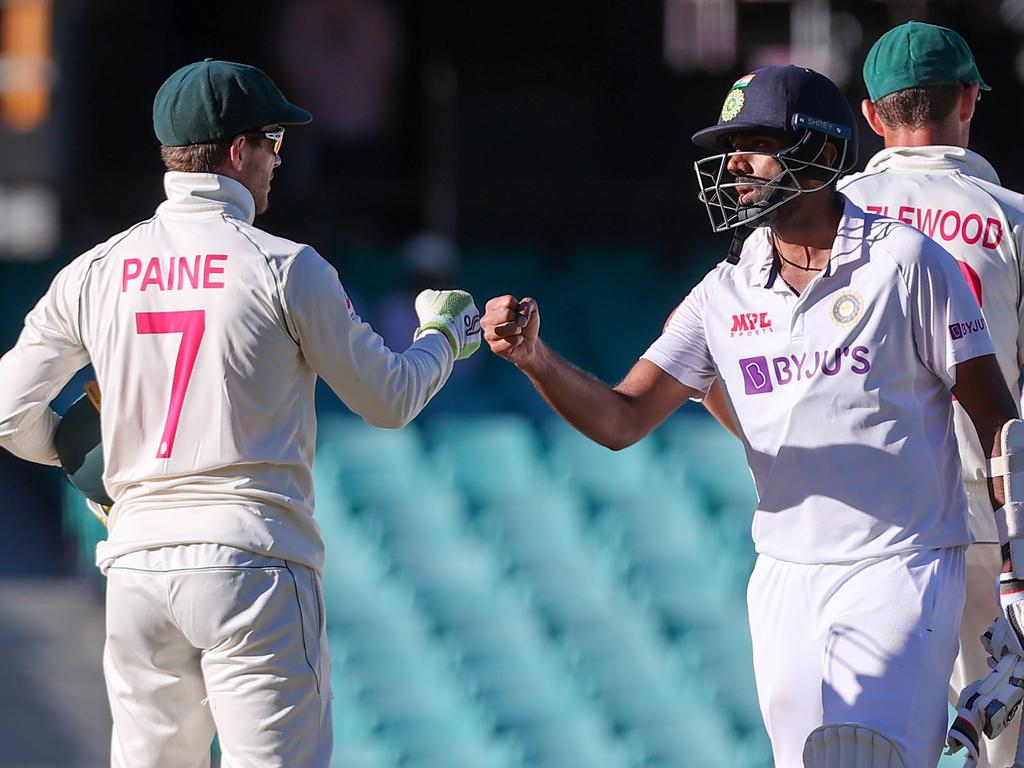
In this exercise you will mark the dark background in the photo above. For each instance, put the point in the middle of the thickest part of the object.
(548, 141)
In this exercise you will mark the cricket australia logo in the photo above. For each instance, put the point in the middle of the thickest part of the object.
(847, 308)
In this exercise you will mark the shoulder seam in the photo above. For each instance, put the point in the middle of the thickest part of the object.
(288, 326)
(103, 255)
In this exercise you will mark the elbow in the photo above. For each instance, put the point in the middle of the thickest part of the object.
(389, 415)
(616, 445)
(388, 420)
(618, 441)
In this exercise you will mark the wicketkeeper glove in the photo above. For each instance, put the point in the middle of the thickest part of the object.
(454, 314)
(987, 706)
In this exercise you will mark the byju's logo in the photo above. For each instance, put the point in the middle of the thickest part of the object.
(755, 375)
(761, 375)
(751, 324)
(960, 330)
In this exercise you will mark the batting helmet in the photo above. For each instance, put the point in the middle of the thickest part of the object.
(786, 101)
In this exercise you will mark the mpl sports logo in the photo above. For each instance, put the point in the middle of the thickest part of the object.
(962, 330)
(761, 375)
(751, 324)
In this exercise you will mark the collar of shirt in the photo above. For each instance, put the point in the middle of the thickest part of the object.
(846, 247)
(933, 158)
(206, 192)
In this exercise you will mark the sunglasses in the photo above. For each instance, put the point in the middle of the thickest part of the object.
(276, 136)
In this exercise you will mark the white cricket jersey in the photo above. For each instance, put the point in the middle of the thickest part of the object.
(953, 196)
(207, 335)
(841, 394)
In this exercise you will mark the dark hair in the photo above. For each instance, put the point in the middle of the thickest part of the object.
(196, 158)
(913, 107)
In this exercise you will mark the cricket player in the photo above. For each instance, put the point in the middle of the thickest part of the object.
(207, 335)
(838, 336)
(923, 85)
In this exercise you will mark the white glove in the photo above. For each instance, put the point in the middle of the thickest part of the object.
(454, 314)
(999, 640)
(987, 706)
(1011, 598)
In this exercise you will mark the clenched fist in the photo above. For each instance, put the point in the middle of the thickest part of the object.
(511, 327)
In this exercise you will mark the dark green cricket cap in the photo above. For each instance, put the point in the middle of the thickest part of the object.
(918, 54)
(211, 100)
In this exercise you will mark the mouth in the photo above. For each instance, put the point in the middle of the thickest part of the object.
(748, 187)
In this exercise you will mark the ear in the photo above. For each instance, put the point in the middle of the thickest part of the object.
(968, 100)
(238, 153)
(867, 108)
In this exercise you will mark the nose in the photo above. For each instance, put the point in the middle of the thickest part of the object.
(739, 165)
(277, 160)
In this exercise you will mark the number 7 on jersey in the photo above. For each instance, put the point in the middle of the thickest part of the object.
(191, 324)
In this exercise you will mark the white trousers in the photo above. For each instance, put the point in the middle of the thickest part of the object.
(870, 642)
(203, 637)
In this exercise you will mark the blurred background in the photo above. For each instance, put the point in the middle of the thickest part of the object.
(500, 591)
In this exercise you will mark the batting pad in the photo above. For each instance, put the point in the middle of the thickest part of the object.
(850, 745)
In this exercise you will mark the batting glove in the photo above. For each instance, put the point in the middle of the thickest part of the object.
(987, 706)
(454, 314)
(1000, 640)
(1011, 598)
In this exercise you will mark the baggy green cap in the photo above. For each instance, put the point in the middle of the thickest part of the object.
(917, 54)
(211, 100)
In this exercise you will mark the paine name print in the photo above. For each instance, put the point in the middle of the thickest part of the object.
(175, 274)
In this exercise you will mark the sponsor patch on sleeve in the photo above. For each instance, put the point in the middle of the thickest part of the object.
(959, 331)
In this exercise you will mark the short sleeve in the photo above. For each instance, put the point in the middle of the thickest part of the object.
(947, 322)
(682, 349)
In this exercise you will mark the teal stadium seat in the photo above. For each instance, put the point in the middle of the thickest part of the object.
(81, 528)
(361, 461)
(698, 448)
(487, 456)
(604, 475)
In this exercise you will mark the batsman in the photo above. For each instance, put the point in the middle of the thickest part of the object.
(841, 396)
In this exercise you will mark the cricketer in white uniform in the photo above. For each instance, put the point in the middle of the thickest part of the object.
(207, 335)
(837, 335)
(923, 85)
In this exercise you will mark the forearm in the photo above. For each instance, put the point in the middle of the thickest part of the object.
(386, 388)
(594, 408)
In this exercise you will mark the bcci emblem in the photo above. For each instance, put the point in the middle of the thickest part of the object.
(847, 308)
(733, 104)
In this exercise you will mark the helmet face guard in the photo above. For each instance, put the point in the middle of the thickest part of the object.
(719, 188)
